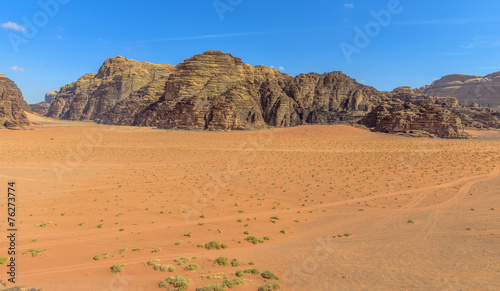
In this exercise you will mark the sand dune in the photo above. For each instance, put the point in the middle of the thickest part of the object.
(422, 214)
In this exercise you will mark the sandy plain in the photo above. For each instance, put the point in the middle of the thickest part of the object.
(422, 214)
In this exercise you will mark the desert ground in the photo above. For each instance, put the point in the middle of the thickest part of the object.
(331, 207)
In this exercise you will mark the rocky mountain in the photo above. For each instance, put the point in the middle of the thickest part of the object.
(217, 91)
(50, 96)
(484, 91)
(92, 95)
(12, 105)
(41, 108)
(425, 120)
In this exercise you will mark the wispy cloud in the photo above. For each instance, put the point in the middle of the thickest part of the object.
(482, 41)
(228, 35)
(13, 26)
(281, 68)
(59, 36)
(349, 5)
(17, 69)
(449, 21)
(490, 68)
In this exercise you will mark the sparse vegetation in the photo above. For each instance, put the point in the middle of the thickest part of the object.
(269, 275)
(178, 283)
(222, 261)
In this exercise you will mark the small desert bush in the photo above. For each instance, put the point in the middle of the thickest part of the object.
(269, 287)
(222, 261)
(178, 282)
(235, 263)
(269, 275)
(115, 269)
(191, 267)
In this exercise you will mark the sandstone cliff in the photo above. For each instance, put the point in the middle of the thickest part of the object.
(397, 116)
(466, 88)
(215, 90)
(50, 96)
(95, 94)
(12, 104)
(41, 108)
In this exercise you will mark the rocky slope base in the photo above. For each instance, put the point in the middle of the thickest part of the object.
(466, 88)
(425, 120)
(41, 108)
(216, 91)
(12, 105)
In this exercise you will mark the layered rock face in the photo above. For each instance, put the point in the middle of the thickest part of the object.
(95, 94)
(50, 96)
(41, 108)
(12, 105)
(466, 88)
(471, 114)
(397, 116)
(215, 90)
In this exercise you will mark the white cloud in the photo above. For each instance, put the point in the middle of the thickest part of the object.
(17, 69)
(482, 41)
(13, 26)
(362, 81)
(349, 5)
(59, 36)
(449, 21)
(281, 68)
(272, 67)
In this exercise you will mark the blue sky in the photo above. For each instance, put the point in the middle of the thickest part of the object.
(410, 42)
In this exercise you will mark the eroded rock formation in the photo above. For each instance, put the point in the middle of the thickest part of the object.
(12, 105)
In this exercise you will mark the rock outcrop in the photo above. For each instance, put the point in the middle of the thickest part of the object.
(397, 116)
(95, 94)
(484, 91)
(12, 105)
(50, 96)
(471, 114)
(217, 91)
(41, 108)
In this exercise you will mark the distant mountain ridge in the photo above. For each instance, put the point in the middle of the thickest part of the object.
(484, 91)
(217, 91)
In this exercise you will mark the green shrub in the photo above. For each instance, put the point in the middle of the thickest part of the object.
(157, 250)
(223, 245)
(191, 267)
(269, 275)
(3, 260)
(97, 257)
(178, 282)
(269, 287)
(252, 271)
(153, 262)
(233, 283)
(213, 245)
(235, 263)
(178, 243)
(347, 234)
(221, 261)
(115, 269)
(239, 273)
(212, 287)
(252, 239)
(411, 221)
